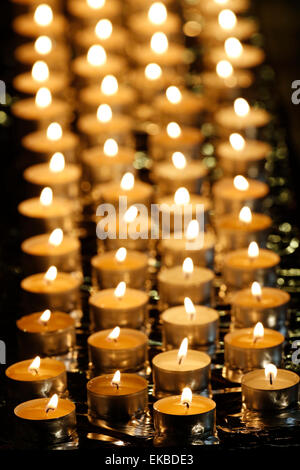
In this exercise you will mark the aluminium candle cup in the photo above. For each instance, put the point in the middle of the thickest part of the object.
(114, 44)
(35, 426)
(87, 74)
(174, 285)
(117, 406)
(218, 89)
(107, 271)
(96, 132)
(128, 353)
(26, 27)
(213, 34)
(233, 234)
(23, 385)
(271, 310)
(57, 83)
(173, 59)
(120, 102)
(36, 218)
(198, 421)
(101, 168)
(56, 338)
(106, 311)
(38, 254)
(174, 251)
(169, 378)
(228, 199)
(63, 184)
(228, 121)
(26, 55)
(242, 355)
(202, 331)
(62, 294)
(251, 57)
(40, 148)
(190, 108)
(249, 162)
(142, 28)
(162, 146)
(148, 89)
(259, 395)
(238, 270)
(22, 6)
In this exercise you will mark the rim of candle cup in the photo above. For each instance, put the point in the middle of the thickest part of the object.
(256, 346)
(35, 377)
(197, 269)
(106, 332)
(110, 376)
(37, 239)
(67, 205)
(71, 326)
(204, 399)
(244, 228)
(200, 309)
(77, 283)
(224, 189)
(95, 295)
(250, 267)
(173, 371)
(45, 401)
(139, 256)
(259, 306)
(288, 373)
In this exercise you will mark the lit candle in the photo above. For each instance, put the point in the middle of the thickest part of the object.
(137, 192)
(41, 22)
(240, 55)
(43, 49)
(109, 35)
(214, 7)
(89, 11)
(226, 25)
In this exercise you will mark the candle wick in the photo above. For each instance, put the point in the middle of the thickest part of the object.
(180, 360)
(258, 298)
(115, 384)
(186, 403)
(271, 380)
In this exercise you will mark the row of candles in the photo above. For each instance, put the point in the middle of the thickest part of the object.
(118, 304)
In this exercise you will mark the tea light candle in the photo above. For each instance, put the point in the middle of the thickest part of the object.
(214, 7)
(270, 389)
(36, 378)
(122, 265)
(117, 397)
(124, 349)
(266, 305)
(111, 36)
(185, 416)
(251, 348)
(241, 267)
(170, 176)
(30, 82)
(239, 156)
(241, 116)
(157, 18)
(174, 284)
(173, 370)
(231, 194)
(41, 22)
(89, 11)
(45, 213)
(136, 192)
(57, 289)
(108, 163)
(238, 230)
(174, 138)
(56, 54)
(45, 421)
(151, 79)
(55, 248)
(62, 178)
(225, 82)
(46, 333)
(44, 143)
(197, 323)
(240, 55)
(227, 25)
(122, 305)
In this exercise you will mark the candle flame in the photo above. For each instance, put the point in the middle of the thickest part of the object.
(43, 15)
(54, 131)
(192, 230)
(182, 352)
(179, 160)
(271, 372)
(253, 250)
(227, 19)
(40, 71)
(159, 43)
(43, 45)
(45, 317)
(103, 29)
(52, 403)
(157, 13)
(224, 69)
(256, 290)
(173, 94)
(56, 237)
(189, 308)
(245, 215)
(109, 85)
(43, 97)
(241, 107)
(116, 380)
(130, 215)
(188, 266)
(173, 130)
(120, 290)
(57, 162)
(240, 183)
(221, 2)
(121, 254)
(233, 48)
(186, 397)
(95, 4)
(237, 142)
(51, 274)
(182, 196)
(46, 197)
(35, 365)
(114, 334)
(127, 181)
(258, 332)
(104, 113)
(110, 148)
(96, 55)
(153, 71)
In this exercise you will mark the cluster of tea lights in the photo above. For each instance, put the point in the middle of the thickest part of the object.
(128, 74)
